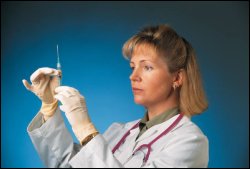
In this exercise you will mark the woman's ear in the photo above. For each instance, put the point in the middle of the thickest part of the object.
(178, 78)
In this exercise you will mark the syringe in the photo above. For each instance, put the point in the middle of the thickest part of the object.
(58, 66)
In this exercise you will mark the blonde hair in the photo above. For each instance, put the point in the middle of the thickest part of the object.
(178, 54)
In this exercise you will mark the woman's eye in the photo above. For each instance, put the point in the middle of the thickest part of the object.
(148, 68)
(132, 68)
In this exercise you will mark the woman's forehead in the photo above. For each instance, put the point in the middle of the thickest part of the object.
(145, 50)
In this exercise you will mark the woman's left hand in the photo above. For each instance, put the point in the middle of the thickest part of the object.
(74, 106)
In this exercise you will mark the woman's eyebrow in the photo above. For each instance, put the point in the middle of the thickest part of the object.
(141, 61)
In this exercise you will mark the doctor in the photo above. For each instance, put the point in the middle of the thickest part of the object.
(165, 80)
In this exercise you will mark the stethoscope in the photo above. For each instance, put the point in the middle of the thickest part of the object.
(149, 145)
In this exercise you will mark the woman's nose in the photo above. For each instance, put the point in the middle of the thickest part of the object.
(135, 76)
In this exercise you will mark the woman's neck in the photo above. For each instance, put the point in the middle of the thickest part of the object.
(159, 108)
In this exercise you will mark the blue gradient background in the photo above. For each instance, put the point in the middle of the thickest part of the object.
(90, 37)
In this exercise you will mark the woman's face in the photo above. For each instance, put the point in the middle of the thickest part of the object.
(150, 79)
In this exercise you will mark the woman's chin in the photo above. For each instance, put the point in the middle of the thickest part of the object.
(139, 101)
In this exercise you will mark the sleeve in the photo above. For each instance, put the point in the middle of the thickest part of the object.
(98, 152)
(52, 140)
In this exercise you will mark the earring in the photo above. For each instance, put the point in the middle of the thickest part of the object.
(175, 86)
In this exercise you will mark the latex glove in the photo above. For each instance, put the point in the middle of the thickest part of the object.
(74, 106)
(44, 82)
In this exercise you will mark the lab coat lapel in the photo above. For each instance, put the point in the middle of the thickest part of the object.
(154, 131)
(128, 146)
(150, 132)
(147, 137)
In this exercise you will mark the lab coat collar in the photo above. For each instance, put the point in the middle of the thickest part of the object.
(157, 129)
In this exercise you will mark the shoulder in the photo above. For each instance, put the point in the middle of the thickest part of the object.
(116, 126)
(116, 129)
(189, 133)
(187, 127)
(190, 128)
(123, 125)
(188, 139)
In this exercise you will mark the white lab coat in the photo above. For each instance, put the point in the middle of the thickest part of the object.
(184, 146)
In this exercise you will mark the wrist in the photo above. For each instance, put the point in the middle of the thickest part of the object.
(88, 138)
(85, 133)
(48, 110)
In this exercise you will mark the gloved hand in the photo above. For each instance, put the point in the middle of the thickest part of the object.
(43, 85)
(74, 106)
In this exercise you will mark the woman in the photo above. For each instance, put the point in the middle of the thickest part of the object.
(165, 80)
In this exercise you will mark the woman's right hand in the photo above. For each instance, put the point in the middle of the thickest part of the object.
(44, 81)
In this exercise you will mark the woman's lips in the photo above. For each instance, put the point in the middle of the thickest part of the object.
(136, 90)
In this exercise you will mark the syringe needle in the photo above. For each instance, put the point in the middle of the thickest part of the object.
(57, 53)
(58, 65)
